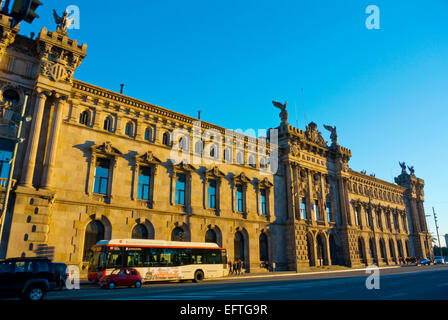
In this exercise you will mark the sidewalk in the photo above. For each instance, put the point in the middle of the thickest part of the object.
(84, 281)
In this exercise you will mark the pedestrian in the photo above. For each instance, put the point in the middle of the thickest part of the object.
(240, 264)
(230, 267)
(235, 267)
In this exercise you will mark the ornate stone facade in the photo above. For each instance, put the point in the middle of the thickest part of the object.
(95, 163)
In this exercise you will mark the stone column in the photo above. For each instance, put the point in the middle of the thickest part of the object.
(50, 156)
(31, 151)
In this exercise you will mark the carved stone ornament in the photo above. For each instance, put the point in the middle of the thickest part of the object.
(106, 149)
(147, 157)
(314, 135)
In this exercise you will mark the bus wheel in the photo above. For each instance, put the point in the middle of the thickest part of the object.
(198, 276)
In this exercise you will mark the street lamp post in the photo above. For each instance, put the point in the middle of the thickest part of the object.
(11, 172)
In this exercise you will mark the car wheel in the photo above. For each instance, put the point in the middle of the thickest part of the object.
(198, 276)
(138, 284)
(112, 285)
(35, 293)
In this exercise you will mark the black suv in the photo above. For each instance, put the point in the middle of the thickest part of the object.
(27, 278)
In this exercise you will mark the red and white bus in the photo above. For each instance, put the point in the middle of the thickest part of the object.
(158, 260)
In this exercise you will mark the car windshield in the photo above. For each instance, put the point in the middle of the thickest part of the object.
(116, 271)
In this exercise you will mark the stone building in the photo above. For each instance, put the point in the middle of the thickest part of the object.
(95, 164)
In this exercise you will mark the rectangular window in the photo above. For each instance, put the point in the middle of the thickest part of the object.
(211, 191)
(5, 158)
(263, 201)
(357, 216)
(316, 210)
(239, 198)
(180, 189)
(303, 208)
(144, 178)
(328, 210)
(101, 176)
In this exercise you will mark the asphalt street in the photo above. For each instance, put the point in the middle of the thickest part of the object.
(402, 283)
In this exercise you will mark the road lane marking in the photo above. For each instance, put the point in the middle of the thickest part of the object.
(395, 295)
(443, 285)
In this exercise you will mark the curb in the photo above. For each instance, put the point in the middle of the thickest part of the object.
(294, 274)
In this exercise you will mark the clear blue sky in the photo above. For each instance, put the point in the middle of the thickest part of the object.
(386, 90)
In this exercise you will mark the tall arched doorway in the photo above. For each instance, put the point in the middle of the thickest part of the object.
(210, 236)
(372, 250)
(383, 251)
(320, 250)
(334, 251)
(311, 253)
(392, 250)
(264, 252)
(178, 234)
(238, 246)
(361, 250)
(94, 233)
(140, 232)
(400, 249)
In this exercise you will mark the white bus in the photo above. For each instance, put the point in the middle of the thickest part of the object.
(158, 260)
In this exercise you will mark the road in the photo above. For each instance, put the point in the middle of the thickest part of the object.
(405, 283)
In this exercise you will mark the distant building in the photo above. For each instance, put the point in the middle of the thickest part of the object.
(446, 240)
(96, 164)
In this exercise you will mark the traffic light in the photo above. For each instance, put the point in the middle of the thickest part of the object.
(24, 10)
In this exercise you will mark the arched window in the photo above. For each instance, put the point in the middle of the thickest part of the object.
(94, 233)
(227, 154)
(240, 158)
(11, 96)
(212, 152)
(84, 118)
(264, 247)
(178, 234)
(198, 147)
(263, 163)
(252, 161)
(108, 122)
(166, 139)
(140, 232)
(148, 134)
(210, 236)
(129, 131)
(183, 143)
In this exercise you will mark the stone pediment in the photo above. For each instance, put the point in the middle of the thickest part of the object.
(106, 149)
(147, 157)
(182, 166)
(215, 172)
(241, 178)
(265, 183)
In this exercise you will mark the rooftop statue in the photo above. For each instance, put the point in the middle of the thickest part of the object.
(334, 135)
(412, 170)
(62, 22)
(284, 113)
(403, 167)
